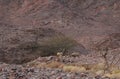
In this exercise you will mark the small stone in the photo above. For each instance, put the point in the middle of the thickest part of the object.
(59, 77)
(69, 75)
(75, 54)
(98, 77)
(53, 73)
(106, 77)
(50, 58)
(83, 75)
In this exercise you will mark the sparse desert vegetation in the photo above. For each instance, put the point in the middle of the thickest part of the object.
(53, 53)
(97, 68)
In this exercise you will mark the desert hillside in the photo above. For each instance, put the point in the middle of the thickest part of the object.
(80, 19)
(66, 31)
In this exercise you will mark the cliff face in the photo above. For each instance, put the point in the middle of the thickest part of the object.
(87, 21)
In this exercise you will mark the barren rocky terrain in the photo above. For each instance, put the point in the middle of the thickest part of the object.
(86, 21)
(90, 25)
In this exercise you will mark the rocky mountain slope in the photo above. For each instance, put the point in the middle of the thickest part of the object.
(80, 19)
(86, 21)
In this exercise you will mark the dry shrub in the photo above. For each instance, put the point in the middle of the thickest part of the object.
(51, 64)
(70, 68)
(54, 64)
(111, 60)
(109, 51)
(113, 76)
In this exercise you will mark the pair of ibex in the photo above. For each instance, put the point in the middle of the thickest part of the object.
(74, 54)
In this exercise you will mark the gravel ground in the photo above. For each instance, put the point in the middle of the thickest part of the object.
(20, 72)
(11, 71)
